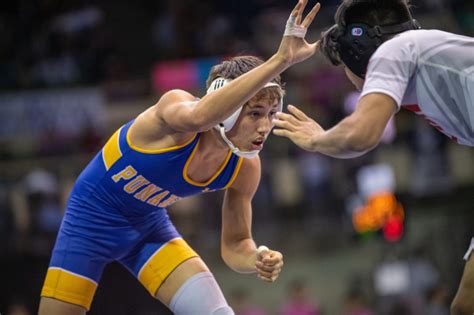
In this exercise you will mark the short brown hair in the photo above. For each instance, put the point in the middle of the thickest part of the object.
(237, 66)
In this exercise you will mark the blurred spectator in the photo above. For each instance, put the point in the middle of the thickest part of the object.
(438, 301)
(423, 274)
(40, 182)
(391, 281)
(79, 20)
(49, 44)
(314, 171)
(241, 302)
(431, 173)
(392, 277)
(464, 14)
(400, 309)
(7, 230)
(58, 68)
(289, 197)
(355, 304)
(18, 307)
(299, 300)
(423, 277)
(38, 212)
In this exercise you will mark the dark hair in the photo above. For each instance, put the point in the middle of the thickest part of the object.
(236, 66)
(369, 12)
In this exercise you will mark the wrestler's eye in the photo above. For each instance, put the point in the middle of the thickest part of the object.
(255, 114)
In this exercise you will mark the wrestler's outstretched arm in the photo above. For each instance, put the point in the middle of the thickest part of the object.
(238, 248)
(353, 136)
(180, 110)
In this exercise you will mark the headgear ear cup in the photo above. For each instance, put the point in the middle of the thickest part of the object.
(356, 47)
(360, 41)
(230, 121)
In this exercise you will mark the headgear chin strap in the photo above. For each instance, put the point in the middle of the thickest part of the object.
(230, 121)
(233, 148)
(360, 41)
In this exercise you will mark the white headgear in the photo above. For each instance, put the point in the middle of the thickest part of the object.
(230, 121)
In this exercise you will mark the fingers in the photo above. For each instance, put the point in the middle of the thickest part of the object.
(299, 16)
(282, 133)
(268, 276)
(281, 116)
(296, 9)
(271, 258)
(286, 121)
(297, 113)
(311, 15)
(298, 13)
(269, 265)
(268, 279)
(283, 124)
(268, 273)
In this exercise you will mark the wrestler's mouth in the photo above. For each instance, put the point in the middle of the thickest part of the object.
(258, 144)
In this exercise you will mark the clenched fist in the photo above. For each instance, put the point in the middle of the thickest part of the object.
(269, 264)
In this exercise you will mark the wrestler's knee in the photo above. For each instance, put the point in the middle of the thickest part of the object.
(200, 295)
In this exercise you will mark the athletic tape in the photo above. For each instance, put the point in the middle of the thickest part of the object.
(292, 29)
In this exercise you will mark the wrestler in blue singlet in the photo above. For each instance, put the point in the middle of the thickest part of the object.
(116, 211)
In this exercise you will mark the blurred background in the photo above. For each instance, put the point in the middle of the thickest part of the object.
(381, 234)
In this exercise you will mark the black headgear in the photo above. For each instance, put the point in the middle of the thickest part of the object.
(359, 42)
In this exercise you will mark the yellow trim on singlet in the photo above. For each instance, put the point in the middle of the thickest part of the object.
(236, 172)
(111, 151)
(154, 151)
(68, 287)
(163, 262)
(219, 171)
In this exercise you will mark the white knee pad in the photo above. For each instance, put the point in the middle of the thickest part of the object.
(200, 295)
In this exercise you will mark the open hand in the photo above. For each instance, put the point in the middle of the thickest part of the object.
(297, 127)
(293, 47)
(269, 264)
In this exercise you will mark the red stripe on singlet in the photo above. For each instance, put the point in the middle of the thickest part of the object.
(412, 107)
(416, 109)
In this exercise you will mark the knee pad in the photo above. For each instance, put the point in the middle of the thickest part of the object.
(200, 295)
(226, 310)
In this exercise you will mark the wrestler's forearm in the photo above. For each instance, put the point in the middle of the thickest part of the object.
(343, 141)
(359, 132)
(240, 256)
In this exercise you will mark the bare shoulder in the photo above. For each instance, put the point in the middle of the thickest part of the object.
(167, 100)
(249, 176)
(176, 96)
(171, 98)
(150, 131)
